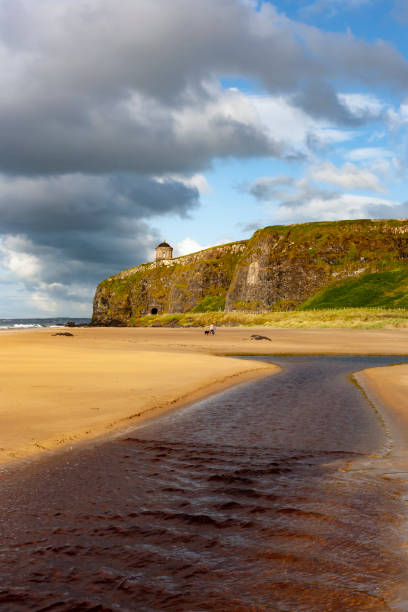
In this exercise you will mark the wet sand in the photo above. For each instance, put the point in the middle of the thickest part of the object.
(56, 390)
(388, 388)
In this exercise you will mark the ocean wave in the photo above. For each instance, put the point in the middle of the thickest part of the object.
(25, 325)
(39, 323)
(20, 326)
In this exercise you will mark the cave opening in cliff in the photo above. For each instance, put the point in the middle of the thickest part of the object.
(154, 310)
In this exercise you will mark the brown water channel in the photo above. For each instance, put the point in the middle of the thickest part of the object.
(253, 499)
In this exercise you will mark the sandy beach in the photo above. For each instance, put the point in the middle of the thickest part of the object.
(57, 390)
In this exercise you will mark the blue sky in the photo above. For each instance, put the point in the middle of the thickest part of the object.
(196, 122)
(369, 159)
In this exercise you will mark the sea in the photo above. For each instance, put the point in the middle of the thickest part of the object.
(47, 322)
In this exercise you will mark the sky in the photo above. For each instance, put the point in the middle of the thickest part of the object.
(193, 121)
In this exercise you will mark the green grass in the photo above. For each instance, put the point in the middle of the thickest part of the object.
(380, 289)
(354, 318)
(211, 303)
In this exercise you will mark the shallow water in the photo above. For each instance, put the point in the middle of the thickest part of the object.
(269, 496)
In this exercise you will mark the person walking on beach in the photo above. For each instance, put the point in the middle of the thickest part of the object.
(212, 329)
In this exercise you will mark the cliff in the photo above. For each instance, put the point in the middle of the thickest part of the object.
(199, 281)
(280, 267)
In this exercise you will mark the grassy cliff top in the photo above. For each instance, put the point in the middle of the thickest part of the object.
(314, 227)
(299, 232)
(182, 258)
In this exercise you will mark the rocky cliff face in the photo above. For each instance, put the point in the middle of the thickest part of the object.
(279, 267)
(176, 285)
(283, 266)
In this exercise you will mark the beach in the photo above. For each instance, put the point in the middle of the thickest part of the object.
(56, 390)
(285, 489)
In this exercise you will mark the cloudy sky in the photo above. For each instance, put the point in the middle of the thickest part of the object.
(195, 121)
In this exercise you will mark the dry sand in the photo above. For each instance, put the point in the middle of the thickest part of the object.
(55, 390)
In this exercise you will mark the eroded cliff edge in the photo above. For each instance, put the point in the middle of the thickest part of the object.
(279, 267)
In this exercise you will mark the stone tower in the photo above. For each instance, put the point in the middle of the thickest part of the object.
(164, 251)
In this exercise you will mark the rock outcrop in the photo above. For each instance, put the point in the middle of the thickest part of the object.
(279, 267)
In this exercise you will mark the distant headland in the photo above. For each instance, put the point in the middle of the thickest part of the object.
(283, 267)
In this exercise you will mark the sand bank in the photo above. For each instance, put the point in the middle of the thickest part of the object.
(387, 387)
(56, 390)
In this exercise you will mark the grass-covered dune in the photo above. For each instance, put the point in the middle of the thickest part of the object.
(357, 318)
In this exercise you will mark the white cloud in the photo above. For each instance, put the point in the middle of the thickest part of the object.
(340, 206)
(35, 295)
(290, 124)
(349, 176)
(322, 137)
(42, 302)
(362, 105)
(332, 7)
(187, 246)
(397, 118)
(199, 181)
(295, 201)
(368, 153)
(380, 161)
(16, 257)
(379, 166)
(282, 120)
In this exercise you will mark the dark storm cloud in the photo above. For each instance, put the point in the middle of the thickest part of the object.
(319, 99)
(80, 229)
(111, 139)
(93, 88)
(266, 189)
(60, 205)
(74, 259)
(288, 191)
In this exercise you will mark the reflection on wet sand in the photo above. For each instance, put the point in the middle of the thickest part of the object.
(272, 495)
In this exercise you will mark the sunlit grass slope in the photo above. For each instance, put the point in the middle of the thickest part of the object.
(381, 289)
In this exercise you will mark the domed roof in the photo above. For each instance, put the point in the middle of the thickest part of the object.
(163, 244)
